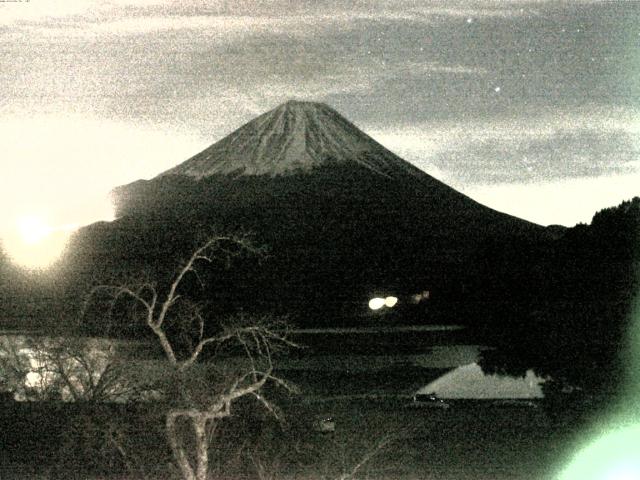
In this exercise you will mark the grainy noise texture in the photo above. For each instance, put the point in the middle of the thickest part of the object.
(315, 239)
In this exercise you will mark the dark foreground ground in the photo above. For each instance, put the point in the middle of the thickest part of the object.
(469, 440)
(373, 439)
(363, 383)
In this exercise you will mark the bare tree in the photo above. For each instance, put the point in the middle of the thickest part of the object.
(66, 368)
(90, 371)
(202, 393)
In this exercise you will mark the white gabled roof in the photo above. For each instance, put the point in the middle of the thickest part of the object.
(468, 381)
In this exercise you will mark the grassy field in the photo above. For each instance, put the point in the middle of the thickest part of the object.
(387, 438)
(470, 440)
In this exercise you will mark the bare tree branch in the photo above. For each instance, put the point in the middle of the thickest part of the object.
(258, 337)
(366, 458)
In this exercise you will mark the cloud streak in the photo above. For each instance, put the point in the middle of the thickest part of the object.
(567, 153)
(131, 17)
(525, 150)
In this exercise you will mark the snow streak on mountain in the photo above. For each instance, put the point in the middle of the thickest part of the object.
(294, 137)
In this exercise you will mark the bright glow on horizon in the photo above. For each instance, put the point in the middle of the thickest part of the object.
(33, 229)
(33, 243)
(58, 177)
(36, 256)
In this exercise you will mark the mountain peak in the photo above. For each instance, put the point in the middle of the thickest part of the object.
(302, 105)
(293, 137)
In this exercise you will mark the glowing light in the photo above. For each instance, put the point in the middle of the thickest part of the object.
(33, 229)
(33, 243)
(419, 297)
(390, 301)
(33, 380)
(65, 170)
(376, 303)
(612, 457)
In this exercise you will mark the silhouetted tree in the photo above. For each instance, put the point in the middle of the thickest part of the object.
(200, 394)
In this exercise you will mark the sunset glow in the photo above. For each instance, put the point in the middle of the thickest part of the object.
(60, 178)
(33, 229)
(33, 243)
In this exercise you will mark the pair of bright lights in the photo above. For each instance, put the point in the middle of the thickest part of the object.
(377, 303)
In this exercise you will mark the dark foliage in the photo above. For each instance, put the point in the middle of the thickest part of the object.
(562, 307)
(81, 440)
(26, 298)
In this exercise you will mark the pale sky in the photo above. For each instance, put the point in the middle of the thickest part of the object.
(527, 106)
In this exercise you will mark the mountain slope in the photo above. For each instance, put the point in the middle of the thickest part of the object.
(342, 217)
(296, 136)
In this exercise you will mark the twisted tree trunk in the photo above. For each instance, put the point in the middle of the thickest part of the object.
(202, 447)
(178, 452)
(198, 421)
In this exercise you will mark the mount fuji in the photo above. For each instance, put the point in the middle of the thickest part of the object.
(343, 218)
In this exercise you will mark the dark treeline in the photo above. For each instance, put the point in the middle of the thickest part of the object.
(563, 306)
